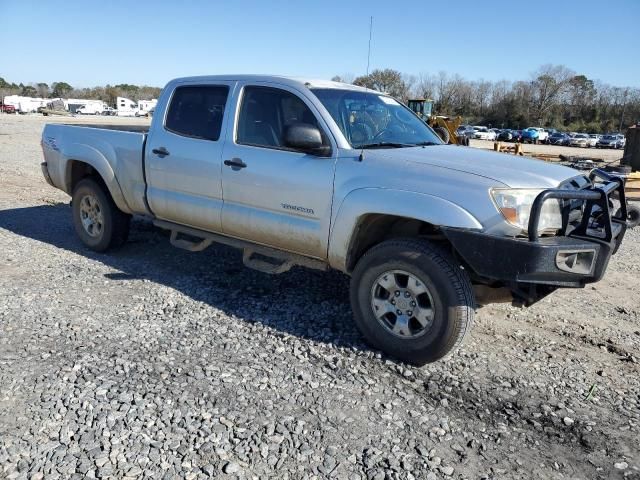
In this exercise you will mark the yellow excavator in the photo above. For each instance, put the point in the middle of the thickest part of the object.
(444, 126)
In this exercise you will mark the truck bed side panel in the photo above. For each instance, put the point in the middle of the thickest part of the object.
(116, 155)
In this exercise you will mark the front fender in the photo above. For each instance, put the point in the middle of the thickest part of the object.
(366, 201)
(103, 160)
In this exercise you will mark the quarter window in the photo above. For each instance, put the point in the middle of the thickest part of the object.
(197, 111)
(266, 114)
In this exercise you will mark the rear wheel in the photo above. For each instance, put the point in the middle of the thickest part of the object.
(96, 218)
(411, 300)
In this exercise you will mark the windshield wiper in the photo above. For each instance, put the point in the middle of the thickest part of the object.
(385, 144)
(426, 144)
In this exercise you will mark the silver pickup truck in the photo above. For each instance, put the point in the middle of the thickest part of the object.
(329, 175)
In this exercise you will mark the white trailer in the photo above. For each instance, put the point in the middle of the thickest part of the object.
(145, 106)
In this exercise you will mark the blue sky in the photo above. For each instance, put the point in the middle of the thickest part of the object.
(88, 43)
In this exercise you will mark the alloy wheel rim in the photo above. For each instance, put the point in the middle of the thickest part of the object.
(402, 304)
(91, 215)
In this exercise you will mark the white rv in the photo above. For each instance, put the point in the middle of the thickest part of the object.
(126, 107)
(145, 106)
(25, 104)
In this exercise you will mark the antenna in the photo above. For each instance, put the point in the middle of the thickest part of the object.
(361, 157)
(369, 51)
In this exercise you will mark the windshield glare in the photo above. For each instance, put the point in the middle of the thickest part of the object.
(369, 118)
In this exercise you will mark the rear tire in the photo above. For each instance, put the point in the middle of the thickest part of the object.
(434, 304)
(96, 218)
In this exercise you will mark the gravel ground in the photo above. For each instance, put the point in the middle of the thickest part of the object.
(153, 362)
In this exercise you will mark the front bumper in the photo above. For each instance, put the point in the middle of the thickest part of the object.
(578, 255)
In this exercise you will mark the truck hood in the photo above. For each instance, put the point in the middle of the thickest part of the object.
(510, 170)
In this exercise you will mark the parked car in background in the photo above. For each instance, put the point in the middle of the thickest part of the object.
(593, 139)
(109, 111)
(506, 135)
(579, 140)
(483, 133)
(6, 108)
(558, 138)
(517, 135)
(466, 132)
(622, 141)
(530, 135)
(542, 133)
(611, 141)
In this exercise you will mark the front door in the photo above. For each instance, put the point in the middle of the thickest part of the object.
(184, 157)
(275, 195)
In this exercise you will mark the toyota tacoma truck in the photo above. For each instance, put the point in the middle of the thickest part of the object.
(328, 175)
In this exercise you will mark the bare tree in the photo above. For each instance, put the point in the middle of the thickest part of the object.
(549, 83)
(426, 86)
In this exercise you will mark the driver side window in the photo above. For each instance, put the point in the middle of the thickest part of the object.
(267, 113)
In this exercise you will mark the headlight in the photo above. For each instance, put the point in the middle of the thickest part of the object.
(515, 206)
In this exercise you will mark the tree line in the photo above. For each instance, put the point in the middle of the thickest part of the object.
(107, 94)
(554, 96)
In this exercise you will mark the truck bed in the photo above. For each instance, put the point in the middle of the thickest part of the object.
(116, 151)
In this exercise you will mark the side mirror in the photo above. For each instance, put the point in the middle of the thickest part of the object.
(306, 138)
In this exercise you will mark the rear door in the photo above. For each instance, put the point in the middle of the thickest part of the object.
(184, 156)
(275, 195)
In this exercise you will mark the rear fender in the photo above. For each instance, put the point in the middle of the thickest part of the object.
(103, 160)
(365, 201)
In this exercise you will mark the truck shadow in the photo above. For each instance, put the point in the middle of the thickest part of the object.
(305, 303)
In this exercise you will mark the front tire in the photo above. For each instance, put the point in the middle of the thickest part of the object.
(96, 218)
(443, 133)
(411, 300)
(633, 216)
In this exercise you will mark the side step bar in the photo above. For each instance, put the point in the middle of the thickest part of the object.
(273, 261)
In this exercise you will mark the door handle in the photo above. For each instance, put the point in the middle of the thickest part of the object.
(235, 163)
(161, 152)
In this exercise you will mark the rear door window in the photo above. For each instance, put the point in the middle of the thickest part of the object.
(197, 111)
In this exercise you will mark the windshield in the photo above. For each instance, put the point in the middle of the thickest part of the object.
(369, 119)
(609, 137)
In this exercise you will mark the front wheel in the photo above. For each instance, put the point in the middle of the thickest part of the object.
(411, 300)
(96, 218)
(443, 133)
(633, 216)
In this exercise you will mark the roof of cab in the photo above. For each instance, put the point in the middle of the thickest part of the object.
(283, 80)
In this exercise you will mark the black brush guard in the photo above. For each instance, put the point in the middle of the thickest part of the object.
(595, 196)
(533, 267)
